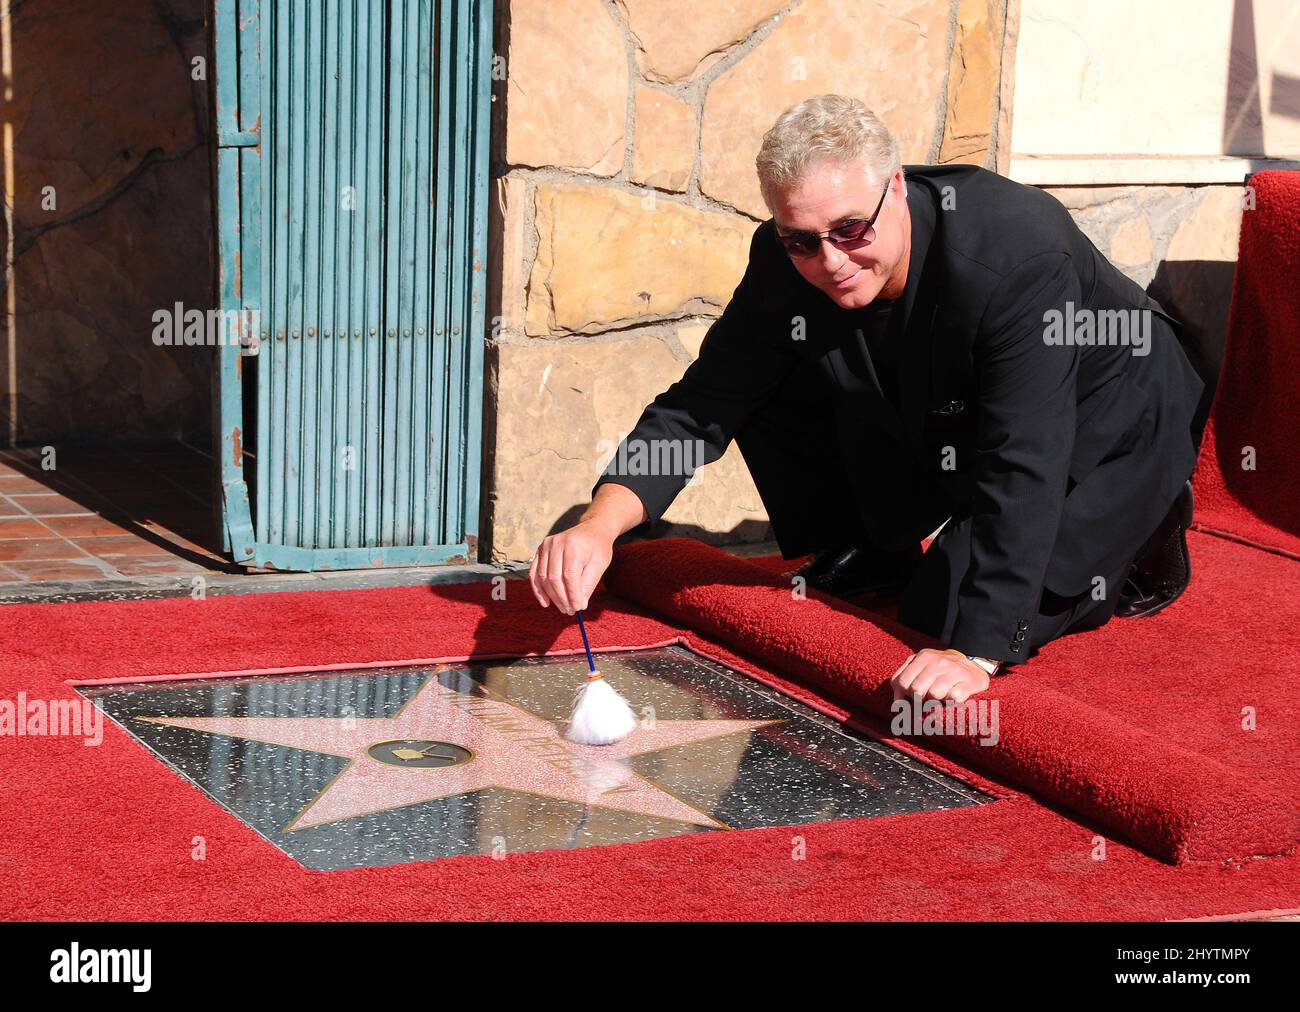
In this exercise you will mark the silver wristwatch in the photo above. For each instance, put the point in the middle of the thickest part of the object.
(988, 665)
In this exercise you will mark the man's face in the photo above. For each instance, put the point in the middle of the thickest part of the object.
(831, 194)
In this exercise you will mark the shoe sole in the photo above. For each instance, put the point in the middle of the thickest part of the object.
(1185, 519)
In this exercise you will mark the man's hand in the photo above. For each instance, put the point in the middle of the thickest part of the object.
(939, 675)
(568, 565)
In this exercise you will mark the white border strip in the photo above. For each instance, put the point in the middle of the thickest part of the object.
(1138, 170)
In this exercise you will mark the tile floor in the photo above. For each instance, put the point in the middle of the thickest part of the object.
(106, 513)
(138, 523)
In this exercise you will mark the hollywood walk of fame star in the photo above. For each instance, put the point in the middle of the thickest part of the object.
(509, 748)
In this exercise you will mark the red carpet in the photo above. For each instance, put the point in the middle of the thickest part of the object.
(1133, 732)
(107, 832)
(1256, 416)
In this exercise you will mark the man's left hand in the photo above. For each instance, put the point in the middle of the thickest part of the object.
(939, 675)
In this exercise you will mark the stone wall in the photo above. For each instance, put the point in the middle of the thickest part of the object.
(1177, 242)
(625, 198)
(107, 176)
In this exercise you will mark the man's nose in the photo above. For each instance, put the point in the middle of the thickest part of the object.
(831, 258)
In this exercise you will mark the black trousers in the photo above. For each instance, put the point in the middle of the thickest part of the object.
(791, 449)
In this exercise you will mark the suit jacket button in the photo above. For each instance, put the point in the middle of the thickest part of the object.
(1015, 646)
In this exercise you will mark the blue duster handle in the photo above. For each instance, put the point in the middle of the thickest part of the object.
(591, 664)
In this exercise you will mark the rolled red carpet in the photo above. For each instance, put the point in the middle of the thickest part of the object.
(1247, 479)
(1096, 724)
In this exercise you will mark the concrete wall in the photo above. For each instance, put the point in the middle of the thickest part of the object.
(1158, 79)
(106, 174)
(1145, 119)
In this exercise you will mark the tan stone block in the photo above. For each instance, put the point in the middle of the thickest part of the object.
(1007, 86)
(606, 257)
(893, 59)
(1079, 198)
(691, 336)
(567, 81)
(664, 147)
(507, 250)
(720, 504)
(1211, 231)
(973, 83)
(563, 409)
(1131, 243)
(675, 40)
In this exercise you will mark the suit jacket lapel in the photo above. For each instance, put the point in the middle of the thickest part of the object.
(850, 360)
(920, 305)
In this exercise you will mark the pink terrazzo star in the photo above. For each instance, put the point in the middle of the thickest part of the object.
(512, 748)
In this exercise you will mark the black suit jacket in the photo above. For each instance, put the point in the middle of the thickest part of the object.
(1065, 455)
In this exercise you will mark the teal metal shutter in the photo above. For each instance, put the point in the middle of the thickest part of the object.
(351, 180)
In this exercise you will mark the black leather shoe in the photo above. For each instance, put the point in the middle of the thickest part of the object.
(1163, 569)
(848, 572)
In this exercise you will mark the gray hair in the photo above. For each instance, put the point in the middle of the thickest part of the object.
(824, 128)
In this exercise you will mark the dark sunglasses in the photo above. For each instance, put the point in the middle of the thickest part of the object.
(851, 235)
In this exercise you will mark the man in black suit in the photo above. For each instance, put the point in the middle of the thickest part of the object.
(922, 346)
